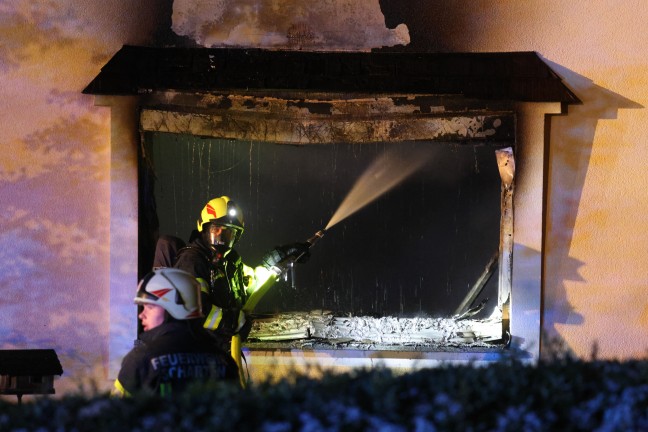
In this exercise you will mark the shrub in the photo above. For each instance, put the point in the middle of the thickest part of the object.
(565, 395)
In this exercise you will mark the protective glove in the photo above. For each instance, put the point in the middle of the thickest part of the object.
(282, 255)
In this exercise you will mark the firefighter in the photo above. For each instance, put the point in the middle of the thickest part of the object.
(230, 289)
(174, 349)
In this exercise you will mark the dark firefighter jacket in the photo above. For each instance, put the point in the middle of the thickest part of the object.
(169, 357)
(226, 284)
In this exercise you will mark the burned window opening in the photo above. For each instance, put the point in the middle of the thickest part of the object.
(330, 312)
(198, 91)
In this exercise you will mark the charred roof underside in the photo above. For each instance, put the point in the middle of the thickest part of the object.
(510, 76)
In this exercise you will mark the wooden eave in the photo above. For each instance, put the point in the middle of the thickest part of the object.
(505, 76)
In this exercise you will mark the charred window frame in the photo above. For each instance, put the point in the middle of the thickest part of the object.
(307, 119)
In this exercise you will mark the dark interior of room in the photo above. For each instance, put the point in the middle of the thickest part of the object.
(414, 251)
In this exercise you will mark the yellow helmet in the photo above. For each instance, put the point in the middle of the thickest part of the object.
(222, 212)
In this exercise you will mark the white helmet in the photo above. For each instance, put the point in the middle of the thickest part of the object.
(175, 290)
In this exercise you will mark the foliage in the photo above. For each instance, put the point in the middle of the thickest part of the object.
(562, 394)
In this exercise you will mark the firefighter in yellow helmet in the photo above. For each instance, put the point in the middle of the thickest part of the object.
(230, 289)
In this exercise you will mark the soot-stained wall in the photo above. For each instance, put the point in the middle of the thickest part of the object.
(594, 286)
(416, 250)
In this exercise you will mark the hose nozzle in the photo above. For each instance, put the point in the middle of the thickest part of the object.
(310, 242)
(318, 235)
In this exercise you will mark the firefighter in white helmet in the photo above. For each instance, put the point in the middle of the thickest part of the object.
(174, 350)
(226, 282)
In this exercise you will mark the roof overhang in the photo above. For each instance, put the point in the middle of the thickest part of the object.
(505, 76)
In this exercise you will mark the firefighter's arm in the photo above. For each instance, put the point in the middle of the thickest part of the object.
(128, 380)
(273, 265)
(119, 390)
(279, 258)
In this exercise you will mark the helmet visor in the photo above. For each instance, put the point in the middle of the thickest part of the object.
(222, 235)
(142, 295)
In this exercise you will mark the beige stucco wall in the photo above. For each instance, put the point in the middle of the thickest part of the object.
(594, 282)
(55, 162)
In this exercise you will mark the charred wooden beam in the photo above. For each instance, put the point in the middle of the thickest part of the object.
(315, 130)
(506, 165)
(478, 286)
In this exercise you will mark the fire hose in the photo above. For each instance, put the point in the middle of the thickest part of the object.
(256, 296)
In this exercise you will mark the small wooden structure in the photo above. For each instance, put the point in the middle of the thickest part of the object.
(28, 371)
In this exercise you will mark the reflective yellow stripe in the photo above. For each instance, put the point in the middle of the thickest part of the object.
(214, 318)
(241, 321)
(165, 389)
(204, 286)
(119, 390)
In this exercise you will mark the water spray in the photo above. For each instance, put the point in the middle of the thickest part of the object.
(385, 173)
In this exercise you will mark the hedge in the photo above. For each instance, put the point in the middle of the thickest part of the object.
(557, 395)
